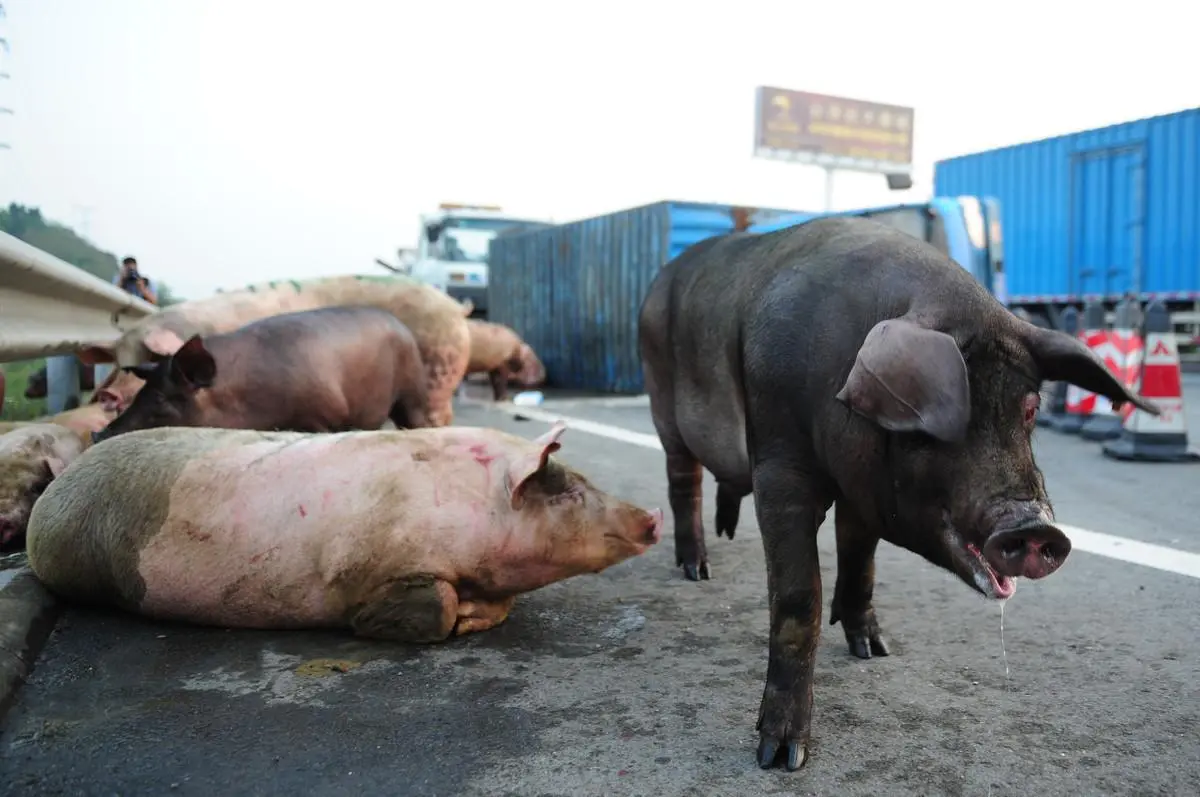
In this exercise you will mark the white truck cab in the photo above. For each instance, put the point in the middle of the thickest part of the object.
(452, 249)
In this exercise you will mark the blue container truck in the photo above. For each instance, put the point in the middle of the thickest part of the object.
(573, 291)
(1099, 214)
(968, 229)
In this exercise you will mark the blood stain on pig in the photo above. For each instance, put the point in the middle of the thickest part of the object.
(479, 450)
(303, 512)
(266, 555)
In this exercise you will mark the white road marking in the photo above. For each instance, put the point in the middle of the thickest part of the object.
(1159, 557)
(615, 402)
(592, 427)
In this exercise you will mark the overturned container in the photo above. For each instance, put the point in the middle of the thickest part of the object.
(573, 291)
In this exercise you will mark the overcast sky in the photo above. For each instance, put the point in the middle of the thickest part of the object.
(228, 141)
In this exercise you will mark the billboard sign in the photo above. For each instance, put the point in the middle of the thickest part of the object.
(835, 132)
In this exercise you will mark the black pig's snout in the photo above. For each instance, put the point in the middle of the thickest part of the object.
(1030, 552)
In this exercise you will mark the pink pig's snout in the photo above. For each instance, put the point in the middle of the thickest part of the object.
(654, 535)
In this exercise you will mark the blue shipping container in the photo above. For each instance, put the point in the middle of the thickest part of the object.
(573, 291)
(1094, 214)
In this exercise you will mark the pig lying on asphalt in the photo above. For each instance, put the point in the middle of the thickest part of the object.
(326, 370)
(499, 352)
(412, 536)
(435, 319)
(31, 456)
(81, 420)
(842, 362)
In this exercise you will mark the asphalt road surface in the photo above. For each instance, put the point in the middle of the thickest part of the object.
(636, 682)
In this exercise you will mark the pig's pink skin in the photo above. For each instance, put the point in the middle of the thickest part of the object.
(118, 390)
(31, 456)
(435, 319)
(81, 420)
(532, 372)
(413, 535)
(499, 352)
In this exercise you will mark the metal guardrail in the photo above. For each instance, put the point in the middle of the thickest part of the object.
(49, 307)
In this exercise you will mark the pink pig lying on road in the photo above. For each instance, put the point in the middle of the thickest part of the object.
(409, 535)
(31, 456)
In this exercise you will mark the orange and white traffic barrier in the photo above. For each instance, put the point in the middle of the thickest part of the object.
(1144, 437)
(1118, 349)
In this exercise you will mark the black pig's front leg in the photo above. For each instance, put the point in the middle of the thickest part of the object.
(856, 584)
(789, 513)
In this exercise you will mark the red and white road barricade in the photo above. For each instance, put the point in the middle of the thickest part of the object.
(1120, 349)
(1145, 437)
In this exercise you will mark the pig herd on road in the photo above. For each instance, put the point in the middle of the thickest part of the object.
(233, 472)
(328, 355)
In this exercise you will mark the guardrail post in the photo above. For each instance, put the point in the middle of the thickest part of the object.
(62, 383)
(101, 371)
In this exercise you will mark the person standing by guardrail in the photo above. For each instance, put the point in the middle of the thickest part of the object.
(130, 280)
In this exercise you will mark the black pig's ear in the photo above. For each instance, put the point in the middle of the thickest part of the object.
(1062, 358)
(193, 364)
(907, 378)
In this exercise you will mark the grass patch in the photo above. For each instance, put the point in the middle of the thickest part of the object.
(16, 406)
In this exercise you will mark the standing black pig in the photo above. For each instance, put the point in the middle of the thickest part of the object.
(842, 361)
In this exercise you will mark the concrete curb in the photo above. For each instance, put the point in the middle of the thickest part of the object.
(28, 613)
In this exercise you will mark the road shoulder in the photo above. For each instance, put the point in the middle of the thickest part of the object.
(28, 613)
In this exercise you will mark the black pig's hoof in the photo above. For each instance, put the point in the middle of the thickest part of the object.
(865, 645)
(696, 572)
(769, 748)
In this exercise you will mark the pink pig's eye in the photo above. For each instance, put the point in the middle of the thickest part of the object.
(1030, 406)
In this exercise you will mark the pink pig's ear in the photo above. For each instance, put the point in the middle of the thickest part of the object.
(525, 467)
(162, 342)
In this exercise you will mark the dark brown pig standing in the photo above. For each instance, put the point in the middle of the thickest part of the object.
(499, 352)
(842, 362)
(413, 536)
(434, 318)
(326, 370)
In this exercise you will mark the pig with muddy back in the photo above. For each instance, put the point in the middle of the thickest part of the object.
(434, 318)
(414, 536)
(841, 363)
(326, 370)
